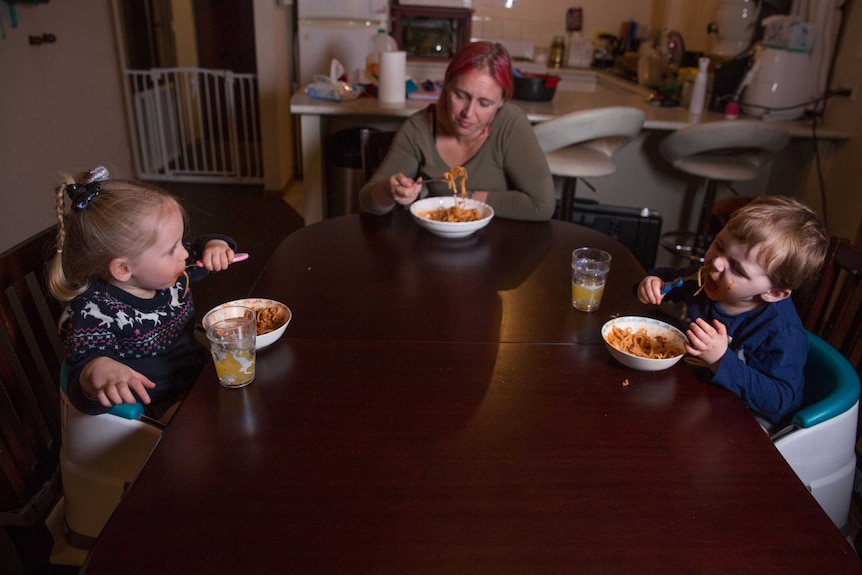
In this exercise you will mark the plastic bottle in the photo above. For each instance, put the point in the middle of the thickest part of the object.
(646, 53)
(698, 94)
(380, 42)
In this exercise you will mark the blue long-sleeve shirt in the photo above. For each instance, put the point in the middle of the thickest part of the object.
(766, 354)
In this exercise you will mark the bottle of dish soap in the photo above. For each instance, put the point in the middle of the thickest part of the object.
(698, 94)
(380, 42)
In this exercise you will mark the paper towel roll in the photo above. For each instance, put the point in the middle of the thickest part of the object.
(393, 76)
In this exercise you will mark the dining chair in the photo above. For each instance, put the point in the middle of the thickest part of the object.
(30, 436)
(819, 443)
(374, 146)
(832, 306)
(723, 151)
(42, 463)
(581, 145)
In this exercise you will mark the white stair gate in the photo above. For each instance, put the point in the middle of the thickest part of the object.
(194, 125)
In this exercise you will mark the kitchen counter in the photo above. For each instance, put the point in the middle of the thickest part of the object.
(578, 90)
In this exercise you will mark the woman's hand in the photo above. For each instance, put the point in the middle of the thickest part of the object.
(649, 290)
(708, 342)
(112, 383)
(404, 190)
(217, 255)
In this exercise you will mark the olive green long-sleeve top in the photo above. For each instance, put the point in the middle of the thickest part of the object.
(510, 166)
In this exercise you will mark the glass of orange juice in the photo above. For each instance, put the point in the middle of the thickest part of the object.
(590, 267)
(232, 338)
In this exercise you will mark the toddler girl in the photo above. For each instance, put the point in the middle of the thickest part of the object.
(122, 266)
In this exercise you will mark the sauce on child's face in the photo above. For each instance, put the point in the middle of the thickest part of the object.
(734, 278)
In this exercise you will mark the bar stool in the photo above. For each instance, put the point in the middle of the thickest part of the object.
(582, 144)
(723, 151)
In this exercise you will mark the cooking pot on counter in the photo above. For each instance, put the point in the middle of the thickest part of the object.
(535, 87)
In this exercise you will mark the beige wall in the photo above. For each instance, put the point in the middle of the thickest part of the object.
(183, 26)
(843, 185)
(538, 21)
(273, 51)
(61, 108)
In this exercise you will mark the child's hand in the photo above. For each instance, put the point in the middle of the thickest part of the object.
(708, 342)
(217, 255)
(113, 383)
(649, 290)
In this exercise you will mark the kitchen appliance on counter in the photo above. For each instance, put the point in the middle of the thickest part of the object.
(782, 83)
(431, 32)
(605, 48)
(341, 29)
(734, 26)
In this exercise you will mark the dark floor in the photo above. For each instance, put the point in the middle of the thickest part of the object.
(257, 221)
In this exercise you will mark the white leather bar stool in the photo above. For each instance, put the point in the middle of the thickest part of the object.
(723, 151)
(582, 144)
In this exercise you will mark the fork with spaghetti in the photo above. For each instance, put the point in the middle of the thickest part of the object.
(677, 282)
(452, 177)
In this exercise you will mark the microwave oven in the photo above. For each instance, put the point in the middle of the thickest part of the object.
(468, 4)
(430, 32)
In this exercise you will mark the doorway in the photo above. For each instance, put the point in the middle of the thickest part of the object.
(191, 89)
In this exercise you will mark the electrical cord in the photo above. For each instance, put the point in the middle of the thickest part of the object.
(819, 166)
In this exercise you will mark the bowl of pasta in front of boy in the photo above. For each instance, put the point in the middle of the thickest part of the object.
(449, 217)
(272, 318)
(643, 343)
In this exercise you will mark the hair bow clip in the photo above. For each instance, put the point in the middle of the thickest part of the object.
(97, 174)
(82, 194)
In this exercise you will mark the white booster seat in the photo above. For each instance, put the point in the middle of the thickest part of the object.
(100, 455)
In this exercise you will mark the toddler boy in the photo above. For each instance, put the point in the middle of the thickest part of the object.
(744, 326)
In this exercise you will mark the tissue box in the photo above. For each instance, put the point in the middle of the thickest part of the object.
(788, 34)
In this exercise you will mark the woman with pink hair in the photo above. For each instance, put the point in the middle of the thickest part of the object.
(472, 125)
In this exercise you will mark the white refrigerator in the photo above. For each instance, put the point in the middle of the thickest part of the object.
(341, 29)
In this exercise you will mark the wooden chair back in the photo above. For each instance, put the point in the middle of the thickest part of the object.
(30, 357)
(832, 307)
(374, 149)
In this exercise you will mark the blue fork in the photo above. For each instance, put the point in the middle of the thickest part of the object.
(675, 283)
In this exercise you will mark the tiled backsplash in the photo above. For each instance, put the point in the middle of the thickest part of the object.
(538, 21)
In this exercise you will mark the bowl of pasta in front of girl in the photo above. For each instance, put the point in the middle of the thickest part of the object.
(643, 343)
(440, 216)
(272, 318)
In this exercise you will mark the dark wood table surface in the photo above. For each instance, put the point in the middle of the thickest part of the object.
(439, 407)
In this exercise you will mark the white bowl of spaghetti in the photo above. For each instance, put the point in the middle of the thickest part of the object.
(272, 318)
(643, 343)
(467, 217)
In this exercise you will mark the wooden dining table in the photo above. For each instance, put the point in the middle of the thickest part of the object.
(438, 406)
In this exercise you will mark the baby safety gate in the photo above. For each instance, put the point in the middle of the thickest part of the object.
(194, 125)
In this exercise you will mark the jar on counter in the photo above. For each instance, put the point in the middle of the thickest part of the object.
(557, 55)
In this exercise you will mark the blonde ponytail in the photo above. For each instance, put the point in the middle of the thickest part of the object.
(57, 282)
